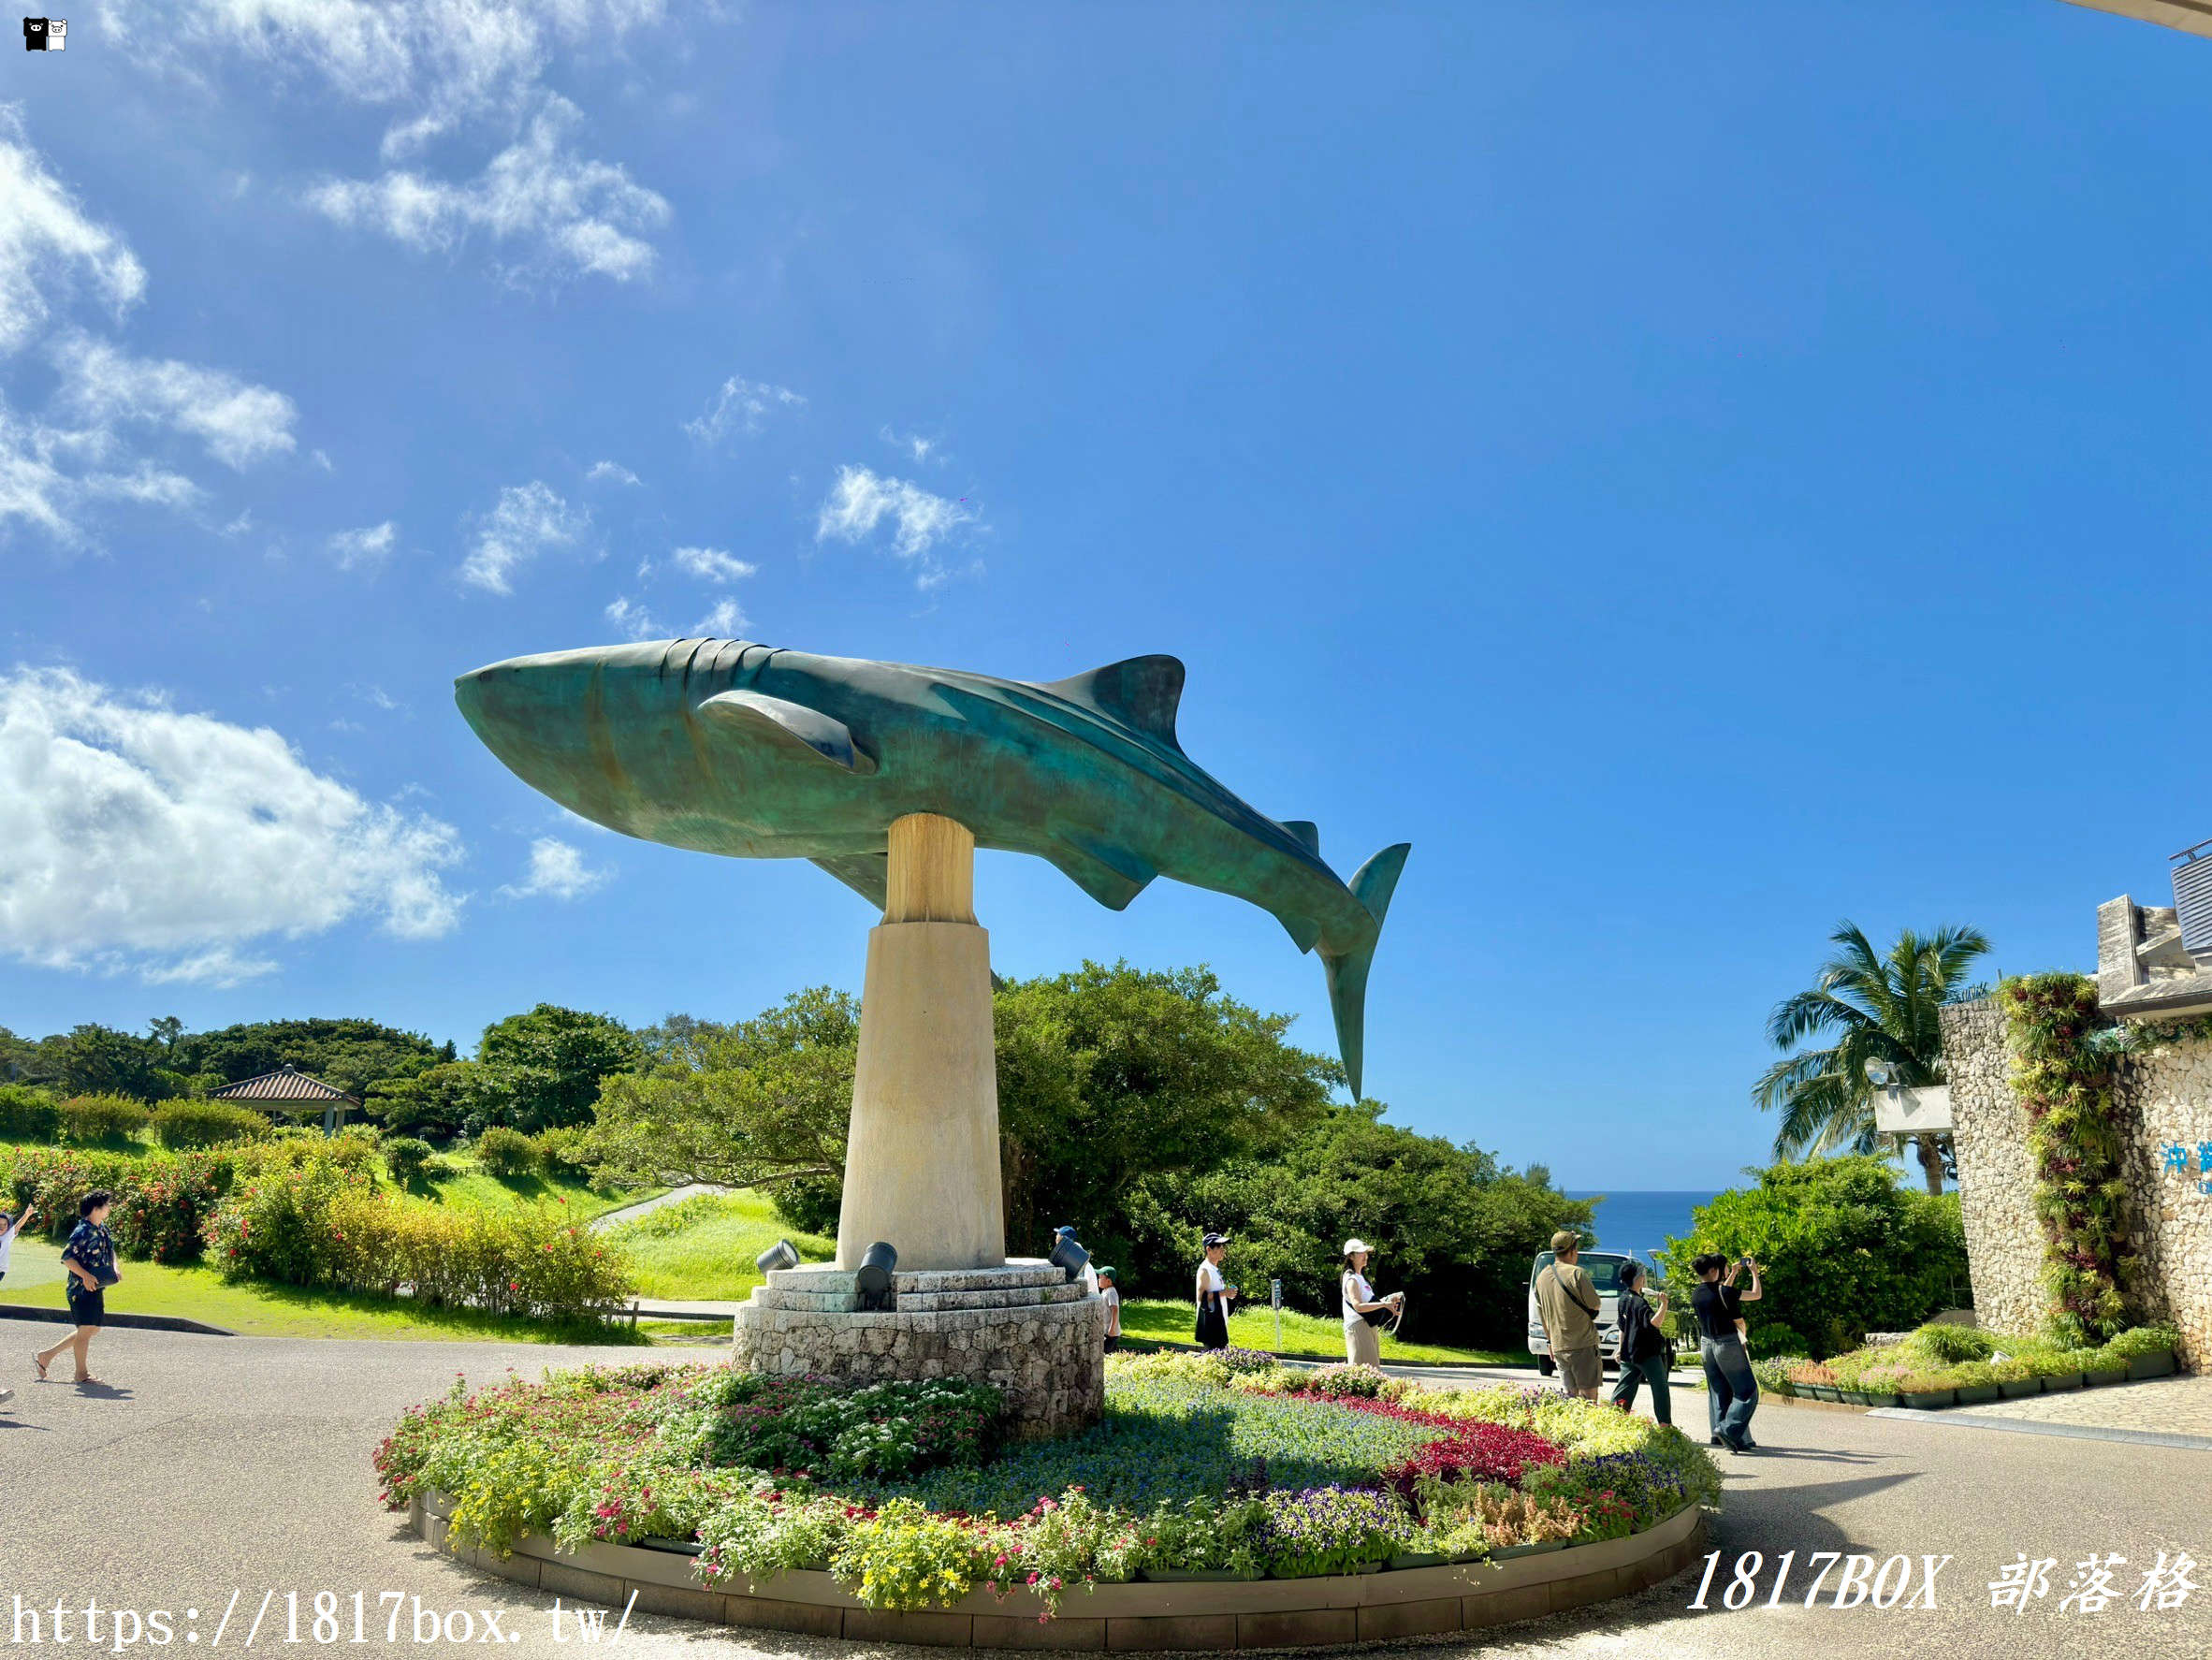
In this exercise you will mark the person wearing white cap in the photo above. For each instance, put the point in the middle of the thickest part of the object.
(1362, 1346)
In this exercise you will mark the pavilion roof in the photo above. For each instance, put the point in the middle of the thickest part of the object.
(286, 1084)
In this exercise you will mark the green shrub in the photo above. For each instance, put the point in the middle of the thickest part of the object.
(560, 1153)
(504, 1152)
(182, 1125)
(28, 1115)
(1846, 1247)
(408, 1158)
(162, 1200)
(102, 1120)
(2143, 1340)
(1949, 1344)
(276, 1225)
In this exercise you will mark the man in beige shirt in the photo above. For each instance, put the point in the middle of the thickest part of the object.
(1568, 1301)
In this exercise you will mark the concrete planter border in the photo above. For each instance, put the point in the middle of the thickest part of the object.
(1139, 1615)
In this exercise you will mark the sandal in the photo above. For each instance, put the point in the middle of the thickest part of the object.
(40, 1364)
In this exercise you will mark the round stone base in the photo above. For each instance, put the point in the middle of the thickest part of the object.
(1023, 1328)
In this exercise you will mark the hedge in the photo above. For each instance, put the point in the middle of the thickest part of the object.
(162, 1201)
(182, 1125)
(321, 1224)
(28, 1115)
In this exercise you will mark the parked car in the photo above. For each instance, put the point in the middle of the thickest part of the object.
(1603, 1269)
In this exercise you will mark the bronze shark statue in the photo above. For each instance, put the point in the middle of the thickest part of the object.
(735, 748)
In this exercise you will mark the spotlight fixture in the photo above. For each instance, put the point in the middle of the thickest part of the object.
(780, 1255)
(872, 1278)
(1068, 1256)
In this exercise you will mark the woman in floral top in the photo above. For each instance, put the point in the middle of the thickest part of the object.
(90, 1258)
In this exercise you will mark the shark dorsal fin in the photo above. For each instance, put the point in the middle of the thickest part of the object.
(1307, 832)
(1141, 692)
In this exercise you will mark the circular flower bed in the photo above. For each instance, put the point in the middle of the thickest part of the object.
(1214, 1466)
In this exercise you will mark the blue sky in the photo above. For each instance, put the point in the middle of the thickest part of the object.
(1696, 477)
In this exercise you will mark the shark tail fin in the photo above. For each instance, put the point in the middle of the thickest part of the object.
(1347, 971)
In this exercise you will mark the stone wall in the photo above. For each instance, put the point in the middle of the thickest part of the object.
(1021, 1328)
(2166, 1094)
(2004, 1238)
(2163, 1098)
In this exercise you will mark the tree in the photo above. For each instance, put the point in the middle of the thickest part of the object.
(545, 1068)
(1876, 1008)
(1449, 1226)
(437, 1105)
(1109, 1075)
(101, 1060)
(763, 1102)
(1847, 1248)
(352, 1053)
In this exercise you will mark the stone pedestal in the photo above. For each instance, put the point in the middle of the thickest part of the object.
(1020, 1325)
(921, 1174)
(922, 1157)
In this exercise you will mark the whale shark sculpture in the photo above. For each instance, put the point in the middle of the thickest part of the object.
(731, 746)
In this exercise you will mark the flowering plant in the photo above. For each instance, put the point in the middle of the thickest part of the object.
(1333, 1530)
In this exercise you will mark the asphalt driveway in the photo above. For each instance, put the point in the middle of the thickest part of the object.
(209, 1466)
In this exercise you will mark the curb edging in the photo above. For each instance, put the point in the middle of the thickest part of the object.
(1184, 1615)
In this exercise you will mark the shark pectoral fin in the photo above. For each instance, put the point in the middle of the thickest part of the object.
(1141, 692)
(1109, 874)
(1305, 932)
(793, 725)
(866, 874)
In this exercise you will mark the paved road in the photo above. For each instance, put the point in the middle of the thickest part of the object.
(219, 1463)
(629, 1213)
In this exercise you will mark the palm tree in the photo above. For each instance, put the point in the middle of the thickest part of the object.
(1876, 1008)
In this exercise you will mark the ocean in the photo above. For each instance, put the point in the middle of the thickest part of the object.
(1642, 1223)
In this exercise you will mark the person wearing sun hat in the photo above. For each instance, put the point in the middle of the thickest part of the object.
(1214, 1295)
(1362, 1346)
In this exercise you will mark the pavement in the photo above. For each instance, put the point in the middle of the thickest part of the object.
(629, 1213)
(204, 1467)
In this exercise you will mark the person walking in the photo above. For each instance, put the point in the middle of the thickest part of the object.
(1646, 1355)
(10, 1228)
(1568, 1300)
(1111, 1293)
(1214, 1295)
(1731, 1392)
(1362, 1346)
(90, 1258)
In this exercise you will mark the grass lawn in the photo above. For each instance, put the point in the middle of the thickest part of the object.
(1304, 1336)
(254, 1309)
(471, 1188)
(703, 1248)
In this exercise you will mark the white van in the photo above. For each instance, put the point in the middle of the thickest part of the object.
(1603, 1269)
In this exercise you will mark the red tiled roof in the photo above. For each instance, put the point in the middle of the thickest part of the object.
(286, 1084)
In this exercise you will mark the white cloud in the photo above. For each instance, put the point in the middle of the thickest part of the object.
(609, 472)
(46, 243)
(239, 424)
(581, 217)
(712, 564)
(320, 459)
(364, 549)
(529, 519)
(725, 623)
(917, 448)
(633, 619)
(740, 406)
(862, 500)
(143, 839)
(434, 65)
(50, 475)
(557, 871)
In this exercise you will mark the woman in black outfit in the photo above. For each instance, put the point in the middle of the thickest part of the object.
(1645, 1353)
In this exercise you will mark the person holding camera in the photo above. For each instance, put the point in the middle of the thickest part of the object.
(1362, 1309)
(1214, 1295)
(1731, 1392)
